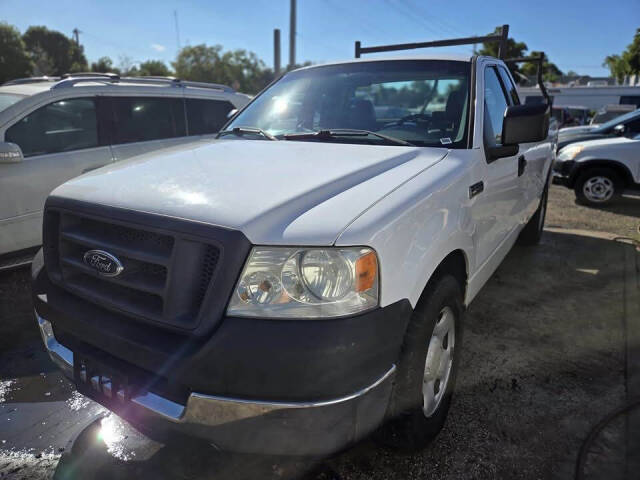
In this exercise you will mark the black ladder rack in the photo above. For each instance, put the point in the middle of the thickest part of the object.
(494, 37)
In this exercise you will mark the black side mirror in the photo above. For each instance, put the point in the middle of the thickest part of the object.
(525, 123)
(500, 151)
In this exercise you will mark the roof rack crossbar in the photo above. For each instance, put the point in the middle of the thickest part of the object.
(71, 81)
(90, 74)
(494, 37)
(539, 61)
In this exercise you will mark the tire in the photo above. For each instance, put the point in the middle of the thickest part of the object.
(532, 231)
(412, 421)
(597, 187)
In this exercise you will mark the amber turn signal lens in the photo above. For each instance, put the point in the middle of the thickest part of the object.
(366, 272)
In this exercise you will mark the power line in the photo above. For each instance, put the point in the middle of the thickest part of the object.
(406, 12)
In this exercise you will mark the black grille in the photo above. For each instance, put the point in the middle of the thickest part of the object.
(208, 267)
(165, 276)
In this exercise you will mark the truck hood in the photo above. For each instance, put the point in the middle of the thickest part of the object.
(286, 192)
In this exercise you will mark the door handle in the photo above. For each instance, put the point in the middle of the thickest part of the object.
(476, 189)
(522, 165)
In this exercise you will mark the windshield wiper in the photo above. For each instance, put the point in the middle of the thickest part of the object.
(240, 131)
(347, 132)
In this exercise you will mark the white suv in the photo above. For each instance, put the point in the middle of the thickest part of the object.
(301, 281)
(57, 129)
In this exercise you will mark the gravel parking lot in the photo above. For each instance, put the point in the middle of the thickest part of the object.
(546, 355)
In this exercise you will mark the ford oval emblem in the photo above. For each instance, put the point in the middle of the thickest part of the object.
(103, 262)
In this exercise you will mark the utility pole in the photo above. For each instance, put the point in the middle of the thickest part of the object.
(292, 34)
(175, 19)
(276, 51)
(76, 36)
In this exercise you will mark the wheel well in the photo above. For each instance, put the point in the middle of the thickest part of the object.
(455, 263)
(622, 171)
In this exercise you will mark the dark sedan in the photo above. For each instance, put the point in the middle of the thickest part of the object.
(623, 125)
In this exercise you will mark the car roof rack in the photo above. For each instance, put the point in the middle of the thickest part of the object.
(500, 37)
(70, 80)
(26, 80)
(90, 75)
(539, 61)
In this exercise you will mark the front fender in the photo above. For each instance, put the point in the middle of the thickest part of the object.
(415, 227)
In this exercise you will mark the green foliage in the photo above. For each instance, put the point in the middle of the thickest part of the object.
(240, 69)
(519, 49)
(627, 63)
(514, 49)
(53, 52)
(154, 68)
(14, 60)
(104, 65)
(550, 71)
(41, 51)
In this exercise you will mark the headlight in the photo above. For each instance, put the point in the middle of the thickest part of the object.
(285, 282)
(569, 152)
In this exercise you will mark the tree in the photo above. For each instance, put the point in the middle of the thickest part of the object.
(519, 49)
(54, 50)
(618, 68)
(155, 68)
(514, 49)
(127, 67)
(104, 65)
(550, 71)
(628, 63)
(241, 69)
(14, 60)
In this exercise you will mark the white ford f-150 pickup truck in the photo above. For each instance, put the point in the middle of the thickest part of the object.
(299, 282)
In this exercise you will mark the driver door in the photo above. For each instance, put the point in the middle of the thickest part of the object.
(496, 197)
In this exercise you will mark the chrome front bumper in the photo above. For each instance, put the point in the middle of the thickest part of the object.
(278, 428)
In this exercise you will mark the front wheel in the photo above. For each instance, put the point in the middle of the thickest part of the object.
(597, 186)
(427, 368)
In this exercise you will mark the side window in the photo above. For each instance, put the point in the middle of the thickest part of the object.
(632, 127)
(495, 103)
(138, 119)
(206, 116)
(511, 88)
(58, 127)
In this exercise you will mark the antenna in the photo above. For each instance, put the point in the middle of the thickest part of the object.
(175, 18)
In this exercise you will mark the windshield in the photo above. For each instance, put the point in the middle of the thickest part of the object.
(622, 118)
(423, 102)
(8, 99)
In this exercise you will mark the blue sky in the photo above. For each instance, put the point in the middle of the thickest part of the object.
(576, 35)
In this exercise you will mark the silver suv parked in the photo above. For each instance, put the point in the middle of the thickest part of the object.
(56, 129)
